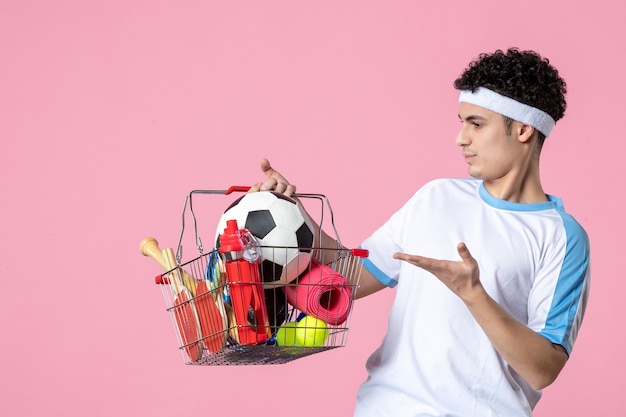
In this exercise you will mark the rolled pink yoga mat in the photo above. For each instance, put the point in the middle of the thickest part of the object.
(321, 292)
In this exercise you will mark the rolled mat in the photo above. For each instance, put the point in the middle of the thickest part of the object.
(321, 292)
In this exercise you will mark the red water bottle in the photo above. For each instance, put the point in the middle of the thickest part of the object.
(241, 253)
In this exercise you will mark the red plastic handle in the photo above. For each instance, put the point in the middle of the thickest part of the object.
(161, 280)
(361, 253)
(238, 188)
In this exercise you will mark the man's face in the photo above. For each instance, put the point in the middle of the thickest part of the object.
(489, 151)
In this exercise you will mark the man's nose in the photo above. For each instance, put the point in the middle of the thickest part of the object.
(462, 138)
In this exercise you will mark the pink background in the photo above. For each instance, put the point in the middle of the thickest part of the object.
(111, 112)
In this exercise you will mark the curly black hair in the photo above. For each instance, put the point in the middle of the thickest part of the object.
(521, 75)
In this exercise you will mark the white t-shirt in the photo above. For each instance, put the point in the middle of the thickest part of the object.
(435, 360)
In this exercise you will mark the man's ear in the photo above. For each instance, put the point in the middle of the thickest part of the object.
(525, 132)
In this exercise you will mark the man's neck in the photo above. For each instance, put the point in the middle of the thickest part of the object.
(525, 189)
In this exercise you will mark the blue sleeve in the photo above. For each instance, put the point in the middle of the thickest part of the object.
(572, 290)
(378, 274)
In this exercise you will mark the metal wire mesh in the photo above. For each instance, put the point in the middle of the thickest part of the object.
(222, 319)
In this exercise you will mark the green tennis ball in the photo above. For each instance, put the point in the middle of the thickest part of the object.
(311, 332)
(286, 334)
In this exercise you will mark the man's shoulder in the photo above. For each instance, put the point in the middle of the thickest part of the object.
(452, 184)
(446, 191)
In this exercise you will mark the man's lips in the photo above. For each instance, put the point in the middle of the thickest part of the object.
(468, 156)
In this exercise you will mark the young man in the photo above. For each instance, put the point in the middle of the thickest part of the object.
(492, 274)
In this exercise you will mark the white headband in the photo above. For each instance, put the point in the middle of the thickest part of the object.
(509, 107)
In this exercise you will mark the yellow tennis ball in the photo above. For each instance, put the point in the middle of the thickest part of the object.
(286, 334)
(311, 331)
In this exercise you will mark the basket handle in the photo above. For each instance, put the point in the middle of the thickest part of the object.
(237, 188)
(243, 188)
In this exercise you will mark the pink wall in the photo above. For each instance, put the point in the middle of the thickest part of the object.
(110, 112)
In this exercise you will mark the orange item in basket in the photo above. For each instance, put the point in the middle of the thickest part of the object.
(211, 320)
(187, 321)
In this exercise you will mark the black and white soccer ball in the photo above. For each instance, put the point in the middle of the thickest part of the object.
(281, 226)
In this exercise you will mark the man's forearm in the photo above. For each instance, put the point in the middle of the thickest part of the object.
(531, 355)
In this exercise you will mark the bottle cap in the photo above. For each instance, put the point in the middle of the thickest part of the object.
(229, 240)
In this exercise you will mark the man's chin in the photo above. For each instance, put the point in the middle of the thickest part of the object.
(474, 174)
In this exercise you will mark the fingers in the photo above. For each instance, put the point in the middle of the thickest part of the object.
(266, 167)
(269, 185)
(461, 248)
(403, 256)
(274, 182)
(255, 187)
(464, 253)
(420, 261)
(436, 265)
(285, 188)
(271, 172)
(461, 277)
